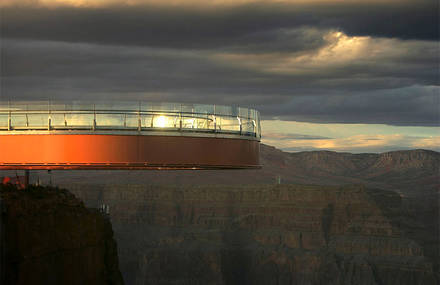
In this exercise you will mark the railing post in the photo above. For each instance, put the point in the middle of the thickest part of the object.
(49, 119)
(239, 122)
(192, 117)
(180, 118)
(139, 118)
(9, 120)
(248, 120)
(215, 121)
(9, 115)
(215, 124)
(94, 117)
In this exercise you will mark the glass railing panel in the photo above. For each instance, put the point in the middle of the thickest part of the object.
(195, 122)
(160, 107)
(147, 120)
(126, 115)
(117, 121)
(187, 109)
(4, 106)
(209, 122)
(255, 115)
(107, 120)
(243, 112)
(258, 124)
(38, 120)
(202, 123)
(227, 124)
(235, 111)
(145, 107)
(166, 120)
(176, 120)
(189, 122)
(173, 107)
(56, 107)
(247, 126)
(251, 114)
(160, 120)
(19, 120)
(203, 109)
(223, 110)
(80, 120)
(27, 106)
(118, 106)
(58, 120)
(4, 120)
(106, 106)
(79, 106)
(132, 121)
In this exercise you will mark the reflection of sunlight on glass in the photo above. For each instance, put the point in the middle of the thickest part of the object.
(160, 122)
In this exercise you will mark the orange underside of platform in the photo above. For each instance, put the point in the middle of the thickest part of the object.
(75, 151)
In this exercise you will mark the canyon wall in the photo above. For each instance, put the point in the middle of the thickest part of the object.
(411, 173)
(237, 227)
(260, 234)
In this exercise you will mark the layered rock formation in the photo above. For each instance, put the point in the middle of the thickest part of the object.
(281, 234)
(49, 237)
(175, 227)
(412, 172)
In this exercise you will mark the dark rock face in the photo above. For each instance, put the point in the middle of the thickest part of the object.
(49, 237)
(281, 234)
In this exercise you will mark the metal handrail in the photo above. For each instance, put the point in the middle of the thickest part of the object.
(139, 114)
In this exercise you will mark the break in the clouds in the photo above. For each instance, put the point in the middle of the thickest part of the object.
(356, 138)
(360, 143)
(326, 62)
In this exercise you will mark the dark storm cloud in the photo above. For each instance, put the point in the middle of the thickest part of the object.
(97, 68)
(397, 89)
(286, 60)
(409, 106)
(251, 27)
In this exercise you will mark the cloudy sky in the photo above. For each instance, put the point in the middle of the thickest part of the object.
(344, 75)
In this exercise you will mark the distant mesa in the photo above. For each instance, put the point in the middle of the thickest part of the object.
(133, 135)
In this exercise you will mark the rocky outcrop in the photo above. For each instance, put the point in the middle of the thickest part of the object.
(281, 234)
(49, 237)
